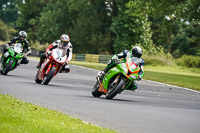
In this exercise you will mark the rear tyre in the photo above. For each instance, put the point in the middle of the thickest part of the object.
(49, 76)
(112, 92)
(95, 91)
(8, 67)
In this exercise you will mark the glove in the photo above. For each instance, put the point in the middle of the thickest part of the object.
(48, 53)
(24, 54)
(109, 61)
(116, 61)
(67, 62)
(67, 69)
(7, 46)
(139, 77)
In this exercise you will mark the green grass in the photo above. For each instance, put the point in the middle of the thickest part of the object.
(3, 42)
(17, 116)
(97, 66)
(175, 75)
(192, 82)
(179, 70)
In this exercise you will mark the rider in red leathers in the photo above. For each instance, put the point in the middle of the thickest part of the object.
(64, 43)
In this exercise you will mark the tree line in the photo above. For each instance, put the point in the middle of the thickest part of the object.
(108, 26)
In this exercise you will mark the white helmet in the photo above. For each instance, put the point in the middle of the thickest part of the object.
(137, 51)
(64, 40)
(22, 34)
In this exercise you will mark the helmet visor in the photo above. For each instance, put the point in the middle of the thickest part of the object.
(22, 37)
(137, 55)
(65, 43)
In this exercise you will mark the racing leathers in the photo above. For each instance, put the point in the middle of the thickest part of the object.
(114, 61)
(25, 45)
(57, 44)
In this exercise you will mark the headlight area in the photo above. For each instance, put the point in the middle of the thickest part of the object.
(133, 76)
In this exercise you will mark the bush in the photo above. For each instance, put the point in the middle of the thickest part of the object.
(189, 61)
(5, 31)
(157, 60)
(36, 45)
(157, 57)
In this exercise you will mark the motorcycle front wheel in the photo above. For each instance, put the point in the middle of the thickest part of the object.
(7, 67)
(49, 76)
(114, 90)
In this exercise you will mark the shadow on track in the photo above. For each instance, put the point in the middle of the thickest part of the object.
(107, 100)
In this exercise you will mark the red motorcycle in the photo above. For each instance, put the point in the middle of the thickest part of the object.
(51, 66)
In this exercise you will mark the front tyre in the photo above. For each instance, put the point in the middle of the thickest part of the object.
(95, 89)
(8, 67)
(49, 76)
(112, 92)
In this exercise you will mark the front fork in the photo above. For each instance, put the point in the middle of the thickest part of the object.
(126, 85)
(49, 68)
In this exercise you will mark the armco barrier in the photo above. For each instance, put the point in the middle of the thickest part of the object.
(92, 58)
(1, 48)
(80, 57)
(34, 53)
(104, 58)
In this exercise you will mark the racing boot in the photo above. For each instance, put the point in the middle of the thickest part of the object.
(38, 65)
(67, 69)
(1, 59)
(133, 86)
(42, 58)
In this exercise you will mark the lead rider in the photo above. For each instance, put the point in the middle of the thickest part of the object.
(134, 54)
(63, 43)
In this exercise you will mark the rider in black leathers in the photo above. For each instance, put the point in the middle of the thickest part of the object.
(26, 46)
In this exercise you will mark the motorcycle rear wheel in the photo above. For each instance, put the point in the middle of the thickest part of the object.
(7, 67)
(113, 92)
(95, 91)
(49, 76)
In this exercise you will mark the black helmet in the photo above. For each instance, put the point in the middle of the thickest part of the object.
(22, 34)
(137, 51)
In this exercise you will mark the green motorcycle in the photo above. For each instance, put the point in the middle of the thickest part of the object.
(117, 79)
(11, 58)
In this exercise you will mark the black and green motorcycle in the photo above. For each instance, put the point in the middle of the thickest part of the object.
(11, 58)
(117, 79)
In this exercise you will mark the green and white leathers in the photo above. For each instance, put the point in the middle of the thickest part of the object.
(11, 58)
(120, 75)
(128, 54)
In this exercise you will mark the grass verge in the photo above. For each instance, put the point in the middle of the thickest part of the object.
(17, 116)
(175, 75)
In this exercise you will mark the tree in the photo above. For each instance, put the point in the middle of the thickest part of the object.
(90, 30)
(131, 27)
(167, 24)
(186, 41)
(29, 14)
(6, 32)
(9, 11)
(55, 20)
